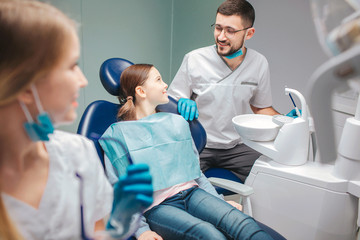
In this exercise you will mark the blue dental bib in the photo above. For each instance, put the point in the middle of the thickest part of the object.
(161, 140)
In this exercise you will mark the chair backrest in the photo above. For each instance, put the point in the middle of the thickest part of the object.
(99, 115)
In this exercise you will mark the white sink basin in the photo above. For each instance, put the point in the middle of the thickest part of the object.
(256, 127)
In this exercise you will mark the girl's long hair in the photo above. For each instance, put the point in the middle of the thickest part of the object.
(131, 77)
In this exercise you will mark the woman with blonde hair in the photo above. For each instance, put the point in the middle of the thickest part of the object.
(52, 183)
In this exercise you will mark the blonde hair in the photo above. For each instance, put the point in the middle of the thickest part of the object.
(33, 37)
(130, 78)
(7, 229)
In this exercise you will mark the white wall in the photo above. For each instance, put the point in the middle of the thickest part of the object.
(286, 35)
(137, 30)
(161, 32)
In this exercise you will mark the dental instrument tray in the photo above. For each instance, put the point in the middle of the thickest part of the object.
(256, 127)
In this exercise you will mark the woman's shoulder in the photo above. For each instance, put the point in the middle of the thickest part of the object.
(67, 138)
(71, 149)
(66, 142)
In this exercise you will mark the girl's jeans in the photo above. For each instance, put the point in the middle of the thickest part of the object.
(196, 214)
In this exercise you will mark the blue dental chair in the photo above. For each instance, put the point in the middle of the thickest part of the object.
(100, 114)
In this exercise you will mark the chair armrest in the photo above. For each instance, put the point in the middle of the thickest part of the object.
(236, 187)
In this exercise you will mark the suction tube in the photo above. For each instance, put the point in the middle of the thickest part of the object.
(304, 113)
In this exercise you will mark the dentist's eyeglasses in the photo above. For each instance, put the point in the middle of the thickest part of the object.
(229, 32)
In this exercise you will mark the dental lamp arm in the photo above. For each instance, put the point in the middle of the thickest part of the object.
(329, 76)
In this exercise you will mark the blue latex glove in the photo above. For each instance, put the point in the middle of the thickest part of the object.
(293, 114)
(188, 109)
(132, 194)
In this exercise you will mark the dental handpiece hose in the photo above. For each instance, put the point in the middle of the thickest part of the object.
(296, 109)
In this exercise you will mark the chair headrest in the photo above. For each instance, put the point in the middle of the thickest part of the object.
(110, 72)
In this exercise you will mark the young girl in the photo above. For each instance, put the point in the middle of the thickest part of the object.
(186, 206)
(48, 177)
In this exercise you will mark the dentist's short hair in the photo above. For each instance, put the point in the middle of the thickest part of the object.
(240, 8)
